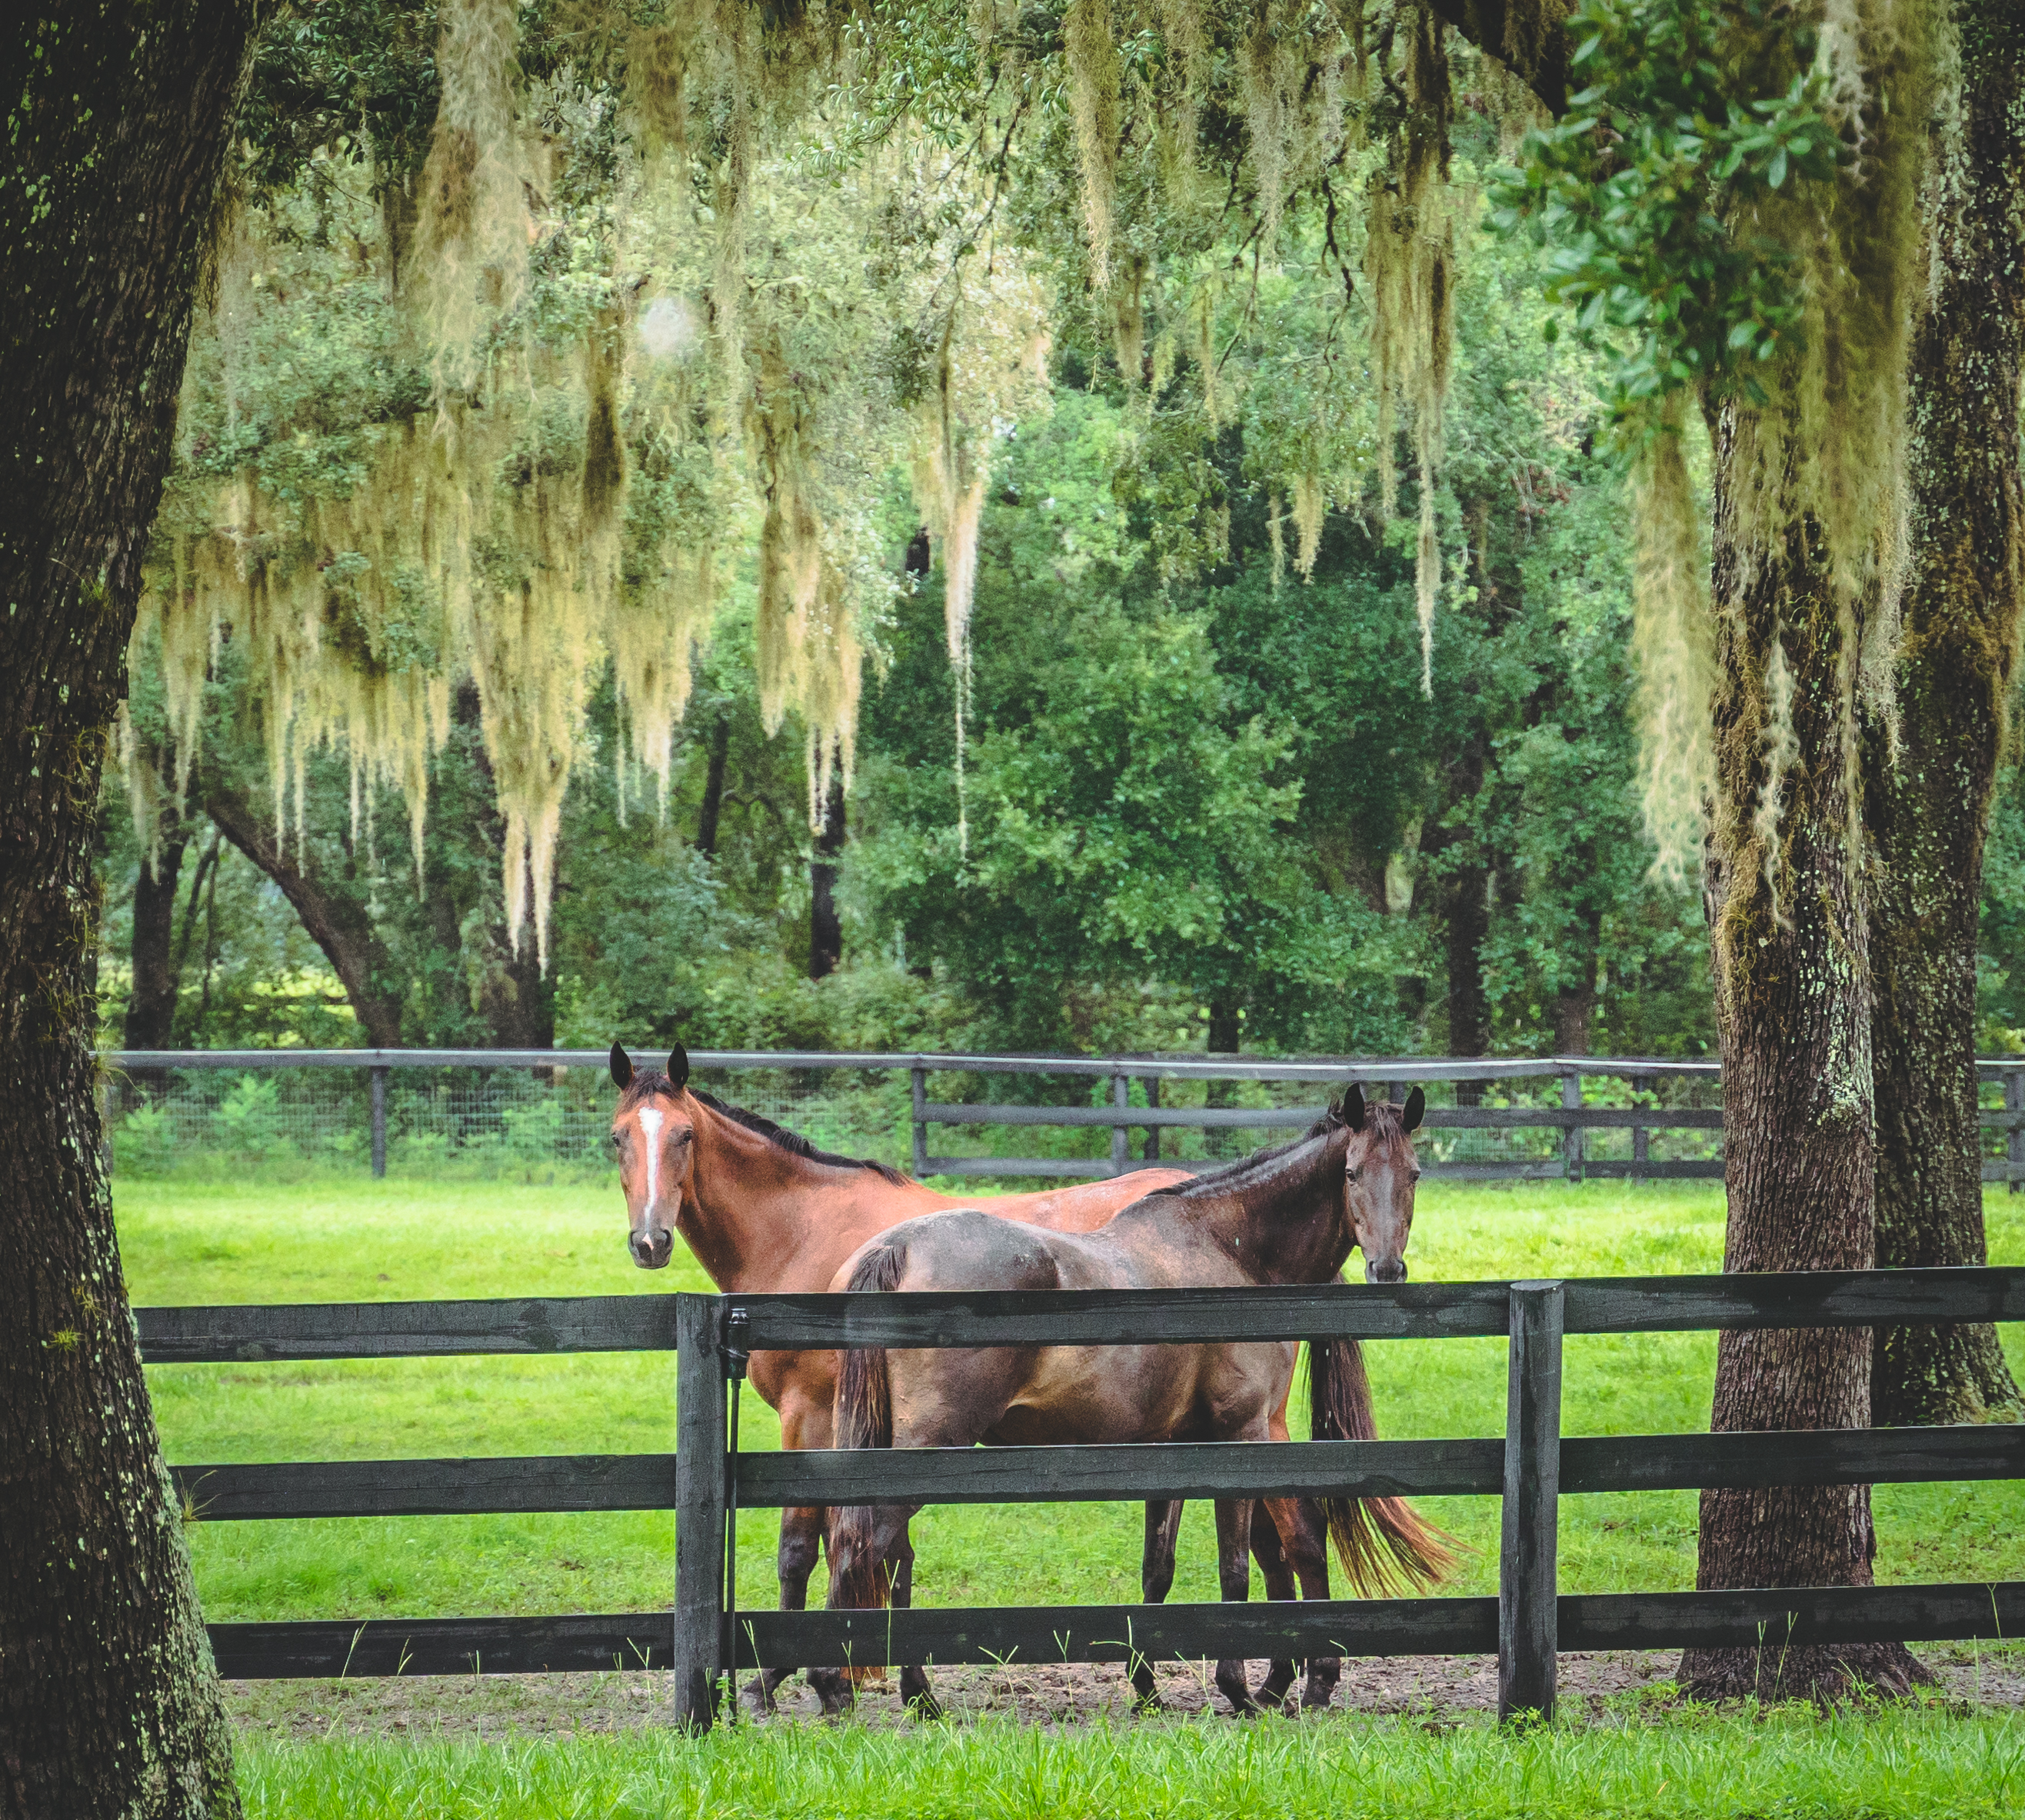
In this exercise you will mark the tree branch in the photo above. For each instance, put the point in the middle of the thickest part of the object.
(337, 923)
(1542, 65)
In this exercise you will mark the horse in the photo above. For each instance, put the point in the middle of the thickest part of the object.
(763, 1209)
(1289, 1215)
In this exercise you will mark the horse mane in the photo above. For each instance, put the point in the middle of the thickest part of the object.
(1384, 1120)
(647, 1082)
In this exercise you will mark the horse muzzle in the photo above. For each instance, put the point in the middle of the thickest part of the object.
(651, 1246)
(1385, 1270)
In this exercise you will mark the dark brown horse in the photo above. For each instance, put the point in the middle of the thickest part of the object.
(1286, 1216)
(763, 1209)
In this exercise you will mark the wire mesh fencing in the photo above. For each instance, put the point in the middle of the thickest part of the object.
(545, 1115)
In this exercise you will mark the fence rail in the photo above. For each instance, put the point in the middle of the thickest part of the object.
(1574, 1157)
(1527, 1624)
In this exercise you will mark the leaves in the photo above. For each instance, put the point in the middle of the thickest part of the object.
(1641, 192)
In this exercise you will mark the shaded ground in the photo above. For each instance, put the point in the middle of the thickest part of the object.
(1444, 1688)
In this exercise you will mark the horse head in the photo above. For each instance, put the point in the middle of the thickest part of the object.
(653, 1132)
(1380, 1170)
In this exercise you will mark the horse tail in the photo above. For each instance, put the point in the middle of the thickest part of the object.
(864, 1413)
(1384, 1545)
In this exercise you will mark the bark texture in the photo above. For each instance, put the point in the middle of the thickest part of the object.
(1788, 916)
(118, 116)
(336, 922)
(1927, 803)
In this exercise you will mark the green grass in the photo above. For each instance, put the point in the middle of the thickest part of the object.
(1924, 1762)
(346, 1240)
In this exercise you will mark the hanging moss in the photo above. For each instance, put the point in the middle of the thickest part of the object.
(1091, 50)
(1410, 261)
(474, 228)
(1673, 634)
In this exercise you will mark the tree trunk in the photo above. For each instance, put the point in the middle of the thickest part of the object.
(1463, 899)
(825, 926)
(713, 786)
(151, 1004)
(1927, 804)
(1791, 963)
(337, 923)
(120, 120)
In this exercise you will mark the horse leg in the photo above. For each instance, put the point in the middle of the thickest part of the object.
(1233, 1573)
(804, 1409)
(886, 1543)
(801, 1534)
(1156, 1578)
(915, 1692)
(1305, 1536)
(1278, 1574)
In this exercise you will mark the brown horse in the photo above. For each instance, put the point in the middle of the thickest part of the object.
(764, 1210)
(1291, 1214)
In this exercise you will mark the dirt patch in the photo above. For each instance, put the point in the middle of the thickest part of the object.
(1440, 1688)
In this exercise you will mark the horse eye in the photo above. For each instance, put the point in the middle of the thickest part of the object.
(1350, 1175)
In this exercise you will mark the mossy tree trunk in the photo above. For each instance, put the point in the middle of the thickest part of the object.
(1787, 918)
(119, 116)
(1927, 803)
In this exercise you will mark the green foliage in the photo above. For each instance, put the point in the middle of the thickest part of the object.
(1646, 191)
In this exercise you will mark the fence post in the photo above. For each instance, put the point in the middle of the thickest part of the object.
(1121, 1135)
(1152, 1086)
(920, 1084)
(2014, 1139)
(1641, 1139)
(1528, 1618)
(700, 1436)
(1572, 1135)
(379, 1123)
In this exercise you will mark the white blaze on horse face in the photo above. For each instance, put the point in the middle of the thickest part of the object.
(650, 1121)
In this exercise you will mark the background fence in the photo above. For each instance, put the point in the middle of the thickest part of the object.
(1527, 1624)
(426, 1112)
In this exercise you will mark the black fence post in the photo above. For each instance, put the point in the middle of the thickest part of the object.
(1121, 1135)
(1152, 1082)
(1572, 1135)
(379, 1124)
(1641, 1138)
(920, 1088)
(1527, 1592)
(700, 1439)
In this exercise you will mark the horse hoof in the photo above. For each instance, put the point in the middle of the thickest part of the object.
(924, 1705)
(1147, 1704)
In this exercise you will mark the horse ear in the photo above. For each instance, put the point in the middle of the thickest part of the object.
(1416, 1104)
(678, 1066)
(1352, 1111)
(621, 1067)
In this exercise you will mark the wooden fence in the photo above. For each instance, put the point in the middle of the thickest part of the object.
(705, 1483)
(1571, 1119)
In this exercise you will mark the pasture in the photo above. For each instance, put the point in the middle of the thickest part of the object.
(347, 1239)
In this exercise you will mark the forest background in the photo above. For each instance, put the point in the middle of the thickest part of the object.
(1203, 799)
